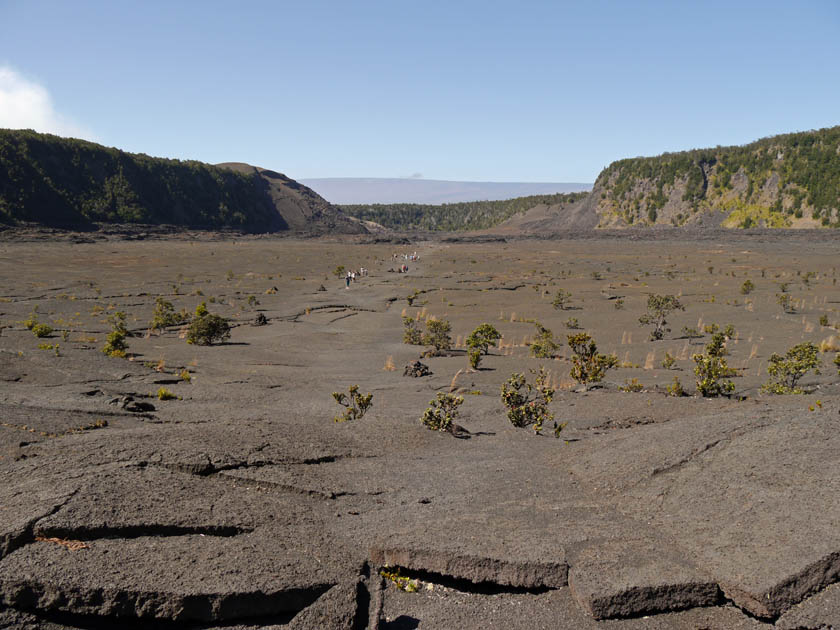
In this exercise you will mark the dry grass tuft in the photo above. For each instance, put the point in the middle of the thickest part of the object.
(71, 545)
(452, 385)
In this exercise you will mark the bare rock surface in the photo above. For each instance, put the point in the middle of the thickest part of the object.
(178, 578)
(628, 578)
(817, 613)
(241, 504)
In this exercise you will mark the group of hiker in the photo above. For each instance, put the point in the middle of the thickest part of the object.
(353, 274)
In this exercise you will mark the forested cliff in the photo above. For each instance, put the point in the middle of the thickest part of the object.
(64, 182)
(791, 180)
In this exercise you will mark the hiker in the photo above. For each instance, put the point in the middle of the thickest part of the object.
(347, 281)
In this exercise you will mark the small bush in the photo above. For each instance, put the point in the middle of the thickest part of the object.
(527, 404)
(669, 361)
(474, 358)
(207, 330)
(185, 375)
(356, 404)
(201, 310)
(748, 287)
(437, 335)
(41, 330)
(338, 272)
(691, 333)
(31, 321)
(483, 337)
(786, 302)
(561, 300)
(659, 307)
(676, 389)
(823, 320)
(544, 346)
(632, 386)
(165, 315)
(50, 346)
(442, 412)
(717, 345)
(400, 581)
(116, 345)
(587, 365)
(572, 323)
(786, 371)
(411, 334)
(619, 304)
(837, 363)
(165, 394)
(711, 369)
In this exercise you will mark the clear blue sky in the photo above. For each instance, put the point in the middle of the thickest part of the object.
(492, 91)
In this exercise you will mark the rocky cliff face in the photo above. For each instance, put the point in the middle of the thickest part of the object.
(783, 181)
(64, 182)
(301, 207)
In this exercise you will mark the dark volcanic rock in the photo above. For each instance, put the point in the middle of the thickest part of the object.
(417, 369)
(179, 578)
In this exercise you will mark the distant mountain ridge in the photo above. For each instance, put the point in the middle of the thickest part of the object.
(454, 217)
(70, 183)
(383, 190)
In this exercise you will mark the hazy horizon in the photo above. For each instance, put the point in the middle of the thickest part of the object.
(383, 190)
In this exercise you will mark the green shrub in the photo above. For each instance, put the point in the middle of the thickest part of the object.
(748, 287)
(632, 386)
(823, 320)
(587, 365)
(669, 361)
(116, 345)
(208, 329)
(676, 389)
(338, 272)
(619, 304)
(786, 371)
(711, 369)
(527, 404)
(543, 346)
(837, 363)
(442, 412)
(437, 335)
(786, 302)
(201, 310)
(165, 315)
(356, 404)
(659, 307)
(561, 299)
(572, 323)
(165, 394)
(717, 345)
(411, 334)
(474, 356)
(483, 337)
(31, 321)
(41, 330)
